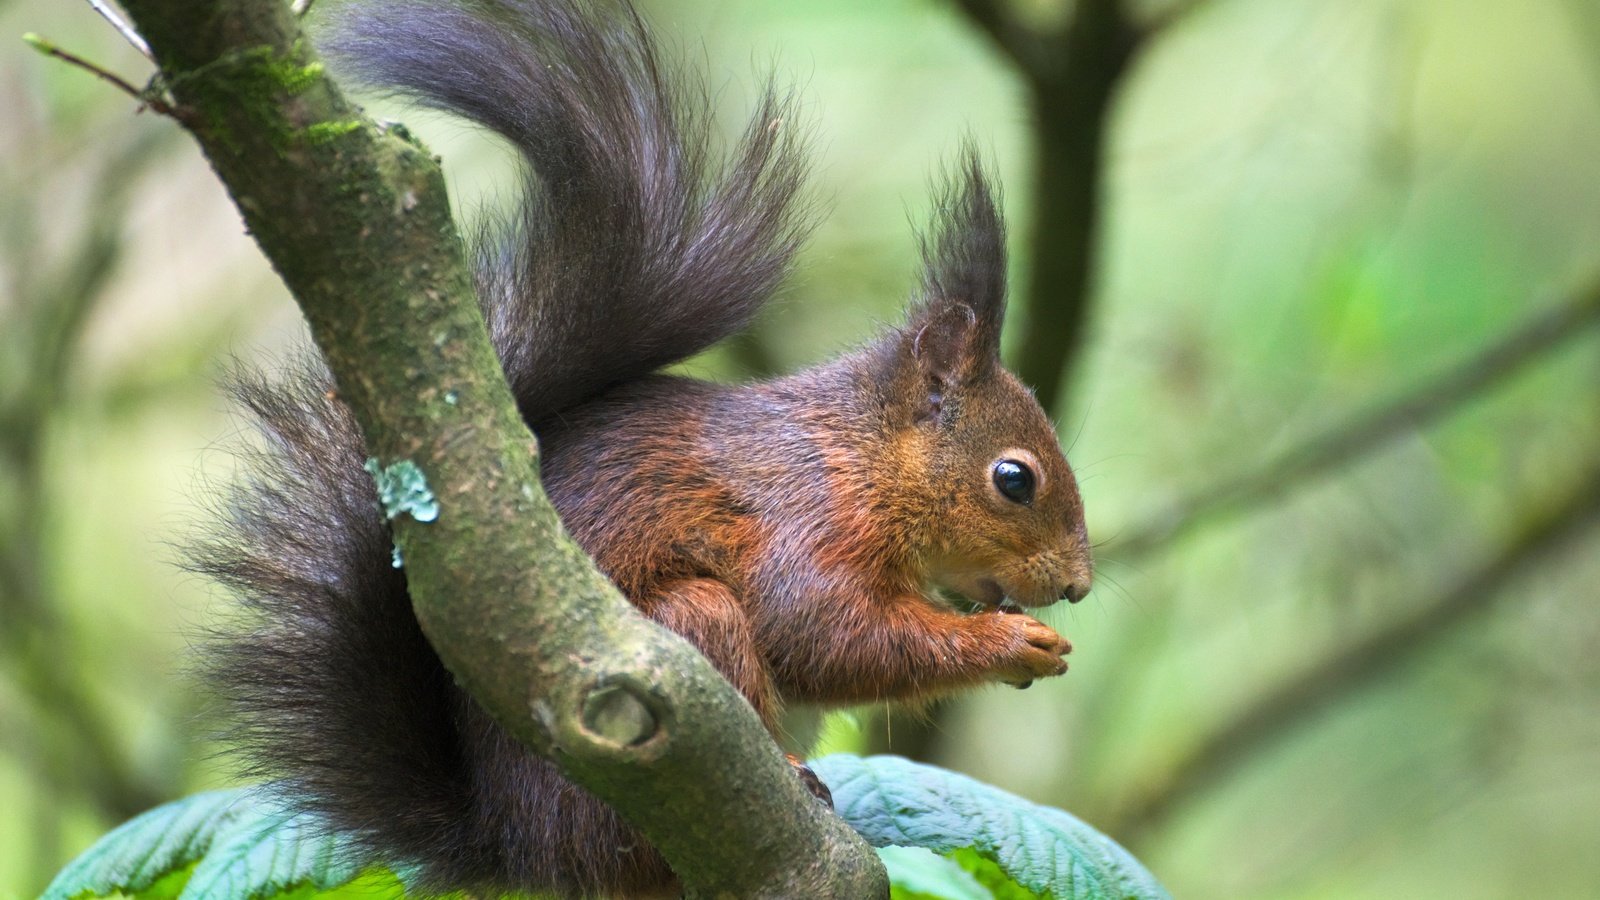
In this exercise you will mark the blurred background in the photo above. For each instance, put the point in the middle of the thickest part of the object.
(1312, 287)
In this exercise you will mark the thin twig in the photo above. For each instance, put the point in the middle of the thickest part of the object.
(117, 22)
(146, 98)
(1540, 335)
(1347, 670)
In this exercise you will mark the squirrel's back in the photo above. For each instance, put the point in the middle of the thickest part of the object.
(633, 244)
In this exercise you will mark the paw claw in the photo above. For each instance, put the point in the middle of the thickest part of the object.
(1039, 655)
(810, 780)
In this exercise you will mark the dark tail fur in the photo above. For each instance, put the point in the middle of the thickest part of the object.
(634, 245)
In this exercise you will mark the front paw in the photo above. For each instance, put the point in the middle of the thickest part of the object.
(1033, 650)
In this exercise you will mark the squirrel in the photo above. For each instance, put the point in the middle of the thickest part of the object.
(801, 532)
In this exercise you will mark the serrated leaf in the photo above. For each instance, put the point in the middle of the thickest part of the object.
(269, 853)
(916, 873)
(896, 802)
(373, 884)
(240, 844)
(140, 851)
(988, 873)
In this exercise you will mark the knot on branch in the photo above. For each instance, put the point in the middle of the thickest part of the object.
(619, 716)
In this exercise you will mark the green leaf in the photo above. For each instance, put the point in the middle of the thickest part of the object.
(167, 887)
(988, 873)
(136, 854)
(919, 874)
(235, 844)
(896, 802)
(269, 853)
(243, 844)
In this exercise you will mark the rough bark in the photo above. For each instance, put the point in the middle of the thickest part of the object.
(356, 220)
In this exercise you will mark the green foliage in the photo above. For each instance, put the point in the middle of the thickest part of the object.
(919, 874)
(143, 850)
(988, 873)
(1034, 851)
(234, 844)
(242, 844)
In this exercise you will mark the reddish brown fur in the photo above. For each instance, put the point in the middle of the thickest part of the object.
(794, 530)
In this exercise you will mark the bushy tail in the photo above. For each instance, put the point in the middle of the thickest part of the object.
(634, 244)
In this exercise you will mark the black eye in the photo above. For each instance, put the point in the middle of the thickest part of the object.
(1014, 481)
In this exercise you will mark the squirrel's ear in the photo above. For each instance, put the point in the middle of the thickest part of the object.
(940, 344)
(952, 335)
(954, 329)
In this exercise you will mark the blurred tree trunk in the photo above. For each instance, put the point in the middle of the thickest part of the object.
(1072, 73)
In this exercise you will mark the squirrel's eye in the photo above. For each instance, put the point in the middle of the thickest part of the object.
(1014, 481)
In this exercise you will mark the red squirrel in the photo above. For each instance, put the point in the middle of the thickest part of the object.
(799, 531)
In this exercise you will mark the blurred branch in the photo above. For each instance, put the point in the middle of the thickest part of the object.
(1027, 48)
(1346, 670)
(36, 645)
(1072, 74)
(1542, 334)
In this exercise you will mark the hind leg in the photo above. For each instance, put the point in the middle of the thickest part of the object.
(707, 613)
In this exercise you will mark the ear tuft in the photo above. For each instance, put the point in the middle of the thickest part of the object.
(959, 314)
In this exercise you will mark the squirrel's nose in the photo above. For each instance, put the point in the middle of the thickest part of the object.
(1075, 591)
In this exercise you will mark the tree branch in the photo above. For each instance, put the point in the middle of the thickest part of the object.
(1351, 668)
(1542, 334)
(356, 221)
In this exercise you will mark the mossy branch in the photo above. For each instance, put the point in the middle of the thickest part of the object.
(356, 220)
